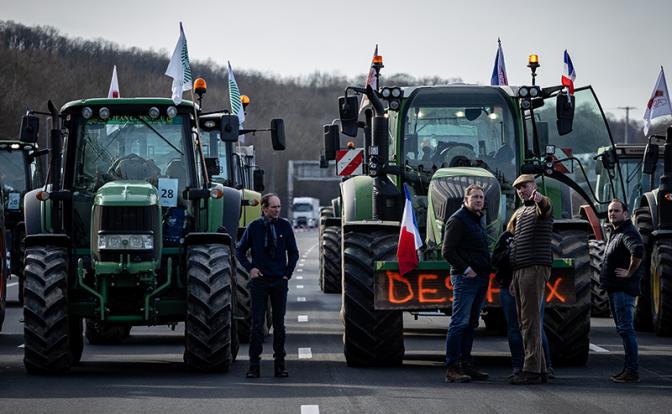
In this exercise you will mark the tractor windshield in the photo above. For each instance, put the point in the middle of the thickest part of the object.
(12, 171)
(131, 148)
(460, 126)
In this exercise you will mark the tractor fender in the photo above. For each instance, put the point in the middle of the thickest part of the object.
(196, 238)
(357, 198)
(336, 205)
(578, 224)
(650, 200)
(587, 213)
(231, 211)
(47, 239)
(32, 212)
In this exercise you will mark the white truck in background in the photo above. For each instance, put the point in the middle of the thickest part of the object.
(305, 212)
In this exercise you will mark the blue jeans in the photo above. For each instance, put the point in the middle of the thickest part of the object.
(513, 331)
(623, 308)
(261, 290)
(468, 299)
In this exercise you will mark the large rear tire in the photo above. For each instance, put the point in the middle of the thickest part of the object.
(568, 327)
(598, 296)
(3, 297)
(243, 304)
(661, 287)
(331, 271)
(45, 311)
(643, 316)
(371, 338)
(208, 326)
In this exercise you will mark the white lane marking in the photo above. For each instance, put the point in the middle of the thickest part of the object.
(300, 299)
(12, 284)
(303, 318)
(299, 286)
(305, 353)
(21, 346)
(299, 278)
(310, 409)
(300, 264)
(299, 270)
(303, 260)
(598, 349)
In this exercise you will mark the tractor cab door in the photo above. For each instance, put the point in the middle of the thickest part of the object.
(590, 131)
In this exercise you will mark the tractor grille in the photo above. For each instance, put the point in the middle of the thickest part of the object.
(448, 195)
(126, 219)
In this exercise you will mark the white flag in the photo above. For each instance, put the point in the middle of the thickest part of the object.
(114, 85)
(234, 97)
(179, 69)
(659, 103)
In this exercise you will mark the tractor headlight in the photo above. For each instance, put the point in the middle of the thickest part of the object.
(125, 241)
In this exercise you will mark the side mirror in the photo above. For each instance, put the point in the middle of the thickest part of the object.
(348, 111)
(230, 128)
(278, 134)
(650, 159)
(609, 158)
(258, 180)
(331, 141)
(30, 129)
(565, 112)
(212, 166)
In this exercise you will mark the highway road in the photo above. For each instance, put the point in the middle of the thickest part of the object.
(145, 373)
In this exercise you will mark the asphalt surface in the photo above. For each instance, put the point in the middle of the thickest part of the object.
(145, 373)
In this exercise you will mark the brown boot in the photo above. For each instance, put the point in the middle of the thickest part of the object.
(473, 372)
(526, 378)
(453, 374)
(627, 376)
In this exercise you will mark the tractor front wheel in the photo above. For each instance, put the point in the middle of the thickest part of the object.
(598, 297)
(661, 287)
(208, 326)
(371, 337)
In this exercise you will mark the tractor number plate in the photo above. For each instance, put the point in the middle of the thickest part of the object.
(168, 192)
(431, 288)
(14, 201)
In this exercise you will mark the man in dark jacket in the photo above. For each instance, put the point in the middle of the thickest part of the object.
(465, 247)
(531, 258)
(274, 256)
(620, 277)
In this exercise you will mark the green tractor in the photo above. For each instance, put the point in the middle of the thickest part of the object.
(637, 182)
(129, 230)
(653, 218)
(20, 171)
(437, 141)
(238, 170)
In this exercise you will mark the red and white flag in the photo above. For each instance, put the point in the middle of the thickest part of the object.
(409, 238)
(659, 103)
(114, 85)
(370, 80)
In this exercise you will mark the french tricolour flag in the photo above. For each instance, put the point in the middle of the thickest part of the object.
(409, 238)
(568, 75)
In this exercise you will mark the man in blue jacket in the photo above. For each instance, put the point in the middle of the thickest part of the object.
(274, 256)
(620, 277)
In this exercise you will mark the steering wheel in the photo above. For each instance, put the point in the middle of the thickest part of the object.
(455, 155)
(133, 167)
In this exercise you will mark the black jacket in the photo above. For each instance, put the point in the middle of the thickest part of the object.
(465, 244)
(500, 260)
(274, 250)
(624, 242)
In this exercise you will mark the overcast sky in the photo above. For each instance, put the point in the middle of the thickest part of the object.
(617, 46)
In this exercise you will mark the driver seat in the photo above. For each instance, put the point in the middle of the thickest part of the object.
(176, 169)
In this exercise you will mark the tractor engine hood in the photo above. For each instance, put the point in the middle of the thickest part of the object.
(127, 193)
(126, 223)
(446, 195)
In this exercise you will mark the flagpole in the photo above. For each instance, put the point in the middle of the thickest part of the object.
(206, 184)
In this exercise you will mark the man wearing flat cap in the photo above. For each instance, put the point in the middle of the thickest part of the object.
(531, 259)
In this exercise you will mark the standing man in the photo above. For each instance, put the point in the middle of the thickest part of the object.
(531, 258)
(274, 256)
(465, 247)
(620, 277)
